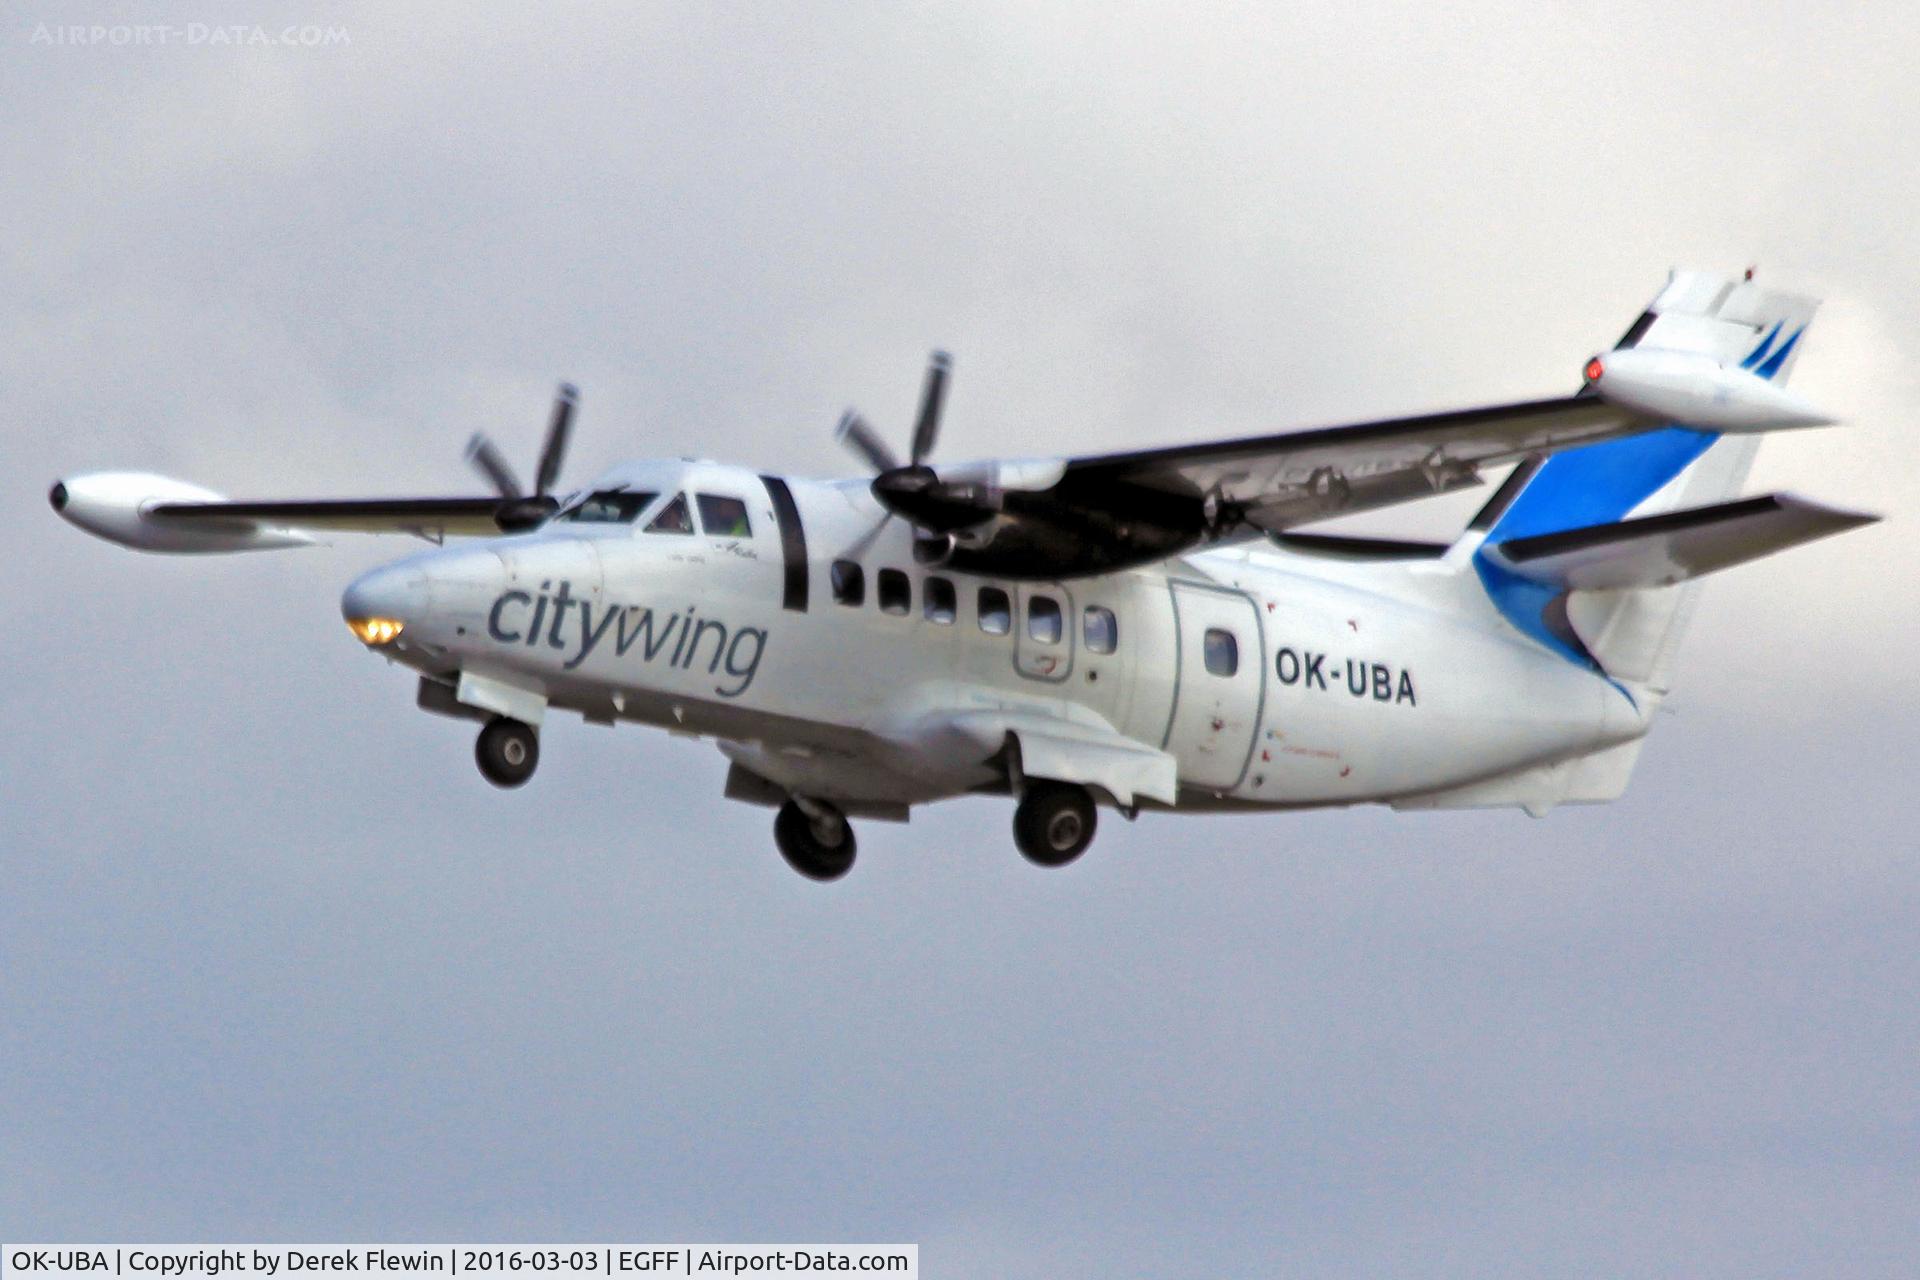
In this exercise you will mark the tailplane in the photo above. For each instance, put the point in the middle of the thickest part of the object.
(1678, 546)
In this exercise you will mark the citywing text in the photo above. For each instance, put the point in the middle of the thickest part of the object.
(563, 621)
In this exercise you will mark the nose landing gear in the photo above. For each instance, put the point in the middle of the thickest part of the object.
(507, 752)
(820, 845)
(1054, 823)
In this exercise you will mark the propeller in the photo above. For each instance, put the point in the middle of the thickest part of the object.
(518, 509)
(858, 435)
(914, 491)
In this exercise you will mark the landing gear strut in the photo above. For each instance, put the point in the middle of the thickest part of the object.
(820, 846)
(507, 752)
(1054, 823)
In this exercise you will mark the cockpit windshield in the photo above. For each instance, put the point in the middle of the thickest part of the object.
(608, 506)
(673, 517)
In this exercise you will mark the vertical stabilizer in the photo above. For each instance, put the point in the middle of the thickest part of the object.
(1631, 635)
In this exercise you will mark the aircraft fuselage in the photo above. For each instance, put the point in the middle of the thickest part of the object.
(1272, 679)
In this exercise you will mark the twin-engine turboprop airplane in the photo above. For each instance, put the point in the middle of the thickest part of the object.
(1140, 630)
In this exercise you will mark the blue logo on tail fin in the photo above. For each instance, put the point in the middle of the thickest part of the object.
(1759, 353)
(1771, 365)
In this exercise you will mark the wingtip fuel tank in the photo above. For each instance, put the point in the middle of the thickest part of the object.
(1695, 390)
(118, 506)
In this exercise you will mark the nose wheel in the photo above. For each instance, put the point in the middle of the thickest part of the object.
(1054, 823)
(507, 752)
(820, 847)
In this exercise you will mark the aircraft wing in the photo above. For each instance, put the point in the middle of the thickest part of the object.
(1072, 517)
(1275, 482)
(157, 513)
(429, 517)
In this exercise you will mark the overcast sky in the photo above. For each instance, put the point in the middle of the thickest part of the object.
(276, 963)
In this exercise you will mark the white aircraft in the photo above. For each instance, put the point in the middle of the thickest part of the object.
(1140, 630)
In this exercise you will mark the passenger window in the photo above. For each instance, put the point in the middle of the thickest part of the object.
(996, 611)
(673, 518)
(723, 517)
(940, 603)
(1043, 619)
(1222, 652)
(896, 593)
(609, 506)
(849, 582)
(1101, 629)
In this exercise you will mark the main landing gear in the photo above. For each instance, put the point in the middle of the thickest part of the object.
(507, 751)
(1054, 823)
(815, 839)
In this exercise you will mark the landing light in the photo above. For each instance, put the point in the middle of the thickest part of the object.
(375, 631)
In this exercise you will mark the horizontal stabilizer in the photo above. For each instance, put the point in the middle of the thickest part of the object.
(1656, 551)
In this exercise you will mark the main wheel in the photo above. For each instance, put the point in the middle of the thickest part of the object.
(1054, 823)
(507, 751)
(801, 844)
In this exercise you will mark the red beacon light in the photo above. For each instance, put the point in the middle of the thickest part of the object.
(1595, 367)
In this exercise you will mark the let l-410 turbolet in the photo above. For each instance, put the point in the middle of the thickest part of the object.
(1143, 630)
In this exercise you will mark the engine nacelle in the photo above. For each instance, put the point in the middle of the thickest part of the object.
(117, 506)
(1694, 390)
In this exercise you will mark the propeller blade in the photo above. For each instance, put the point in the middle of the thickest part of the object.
(482, 454)
(927, 429)
(555, 449)
(855, 434)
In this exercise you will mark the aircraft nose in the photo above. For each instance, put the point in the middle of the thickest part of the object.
(428, 595)
(379, 604)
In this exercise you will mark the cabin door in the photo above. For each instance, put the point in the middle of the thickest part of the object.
(1216, 708)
